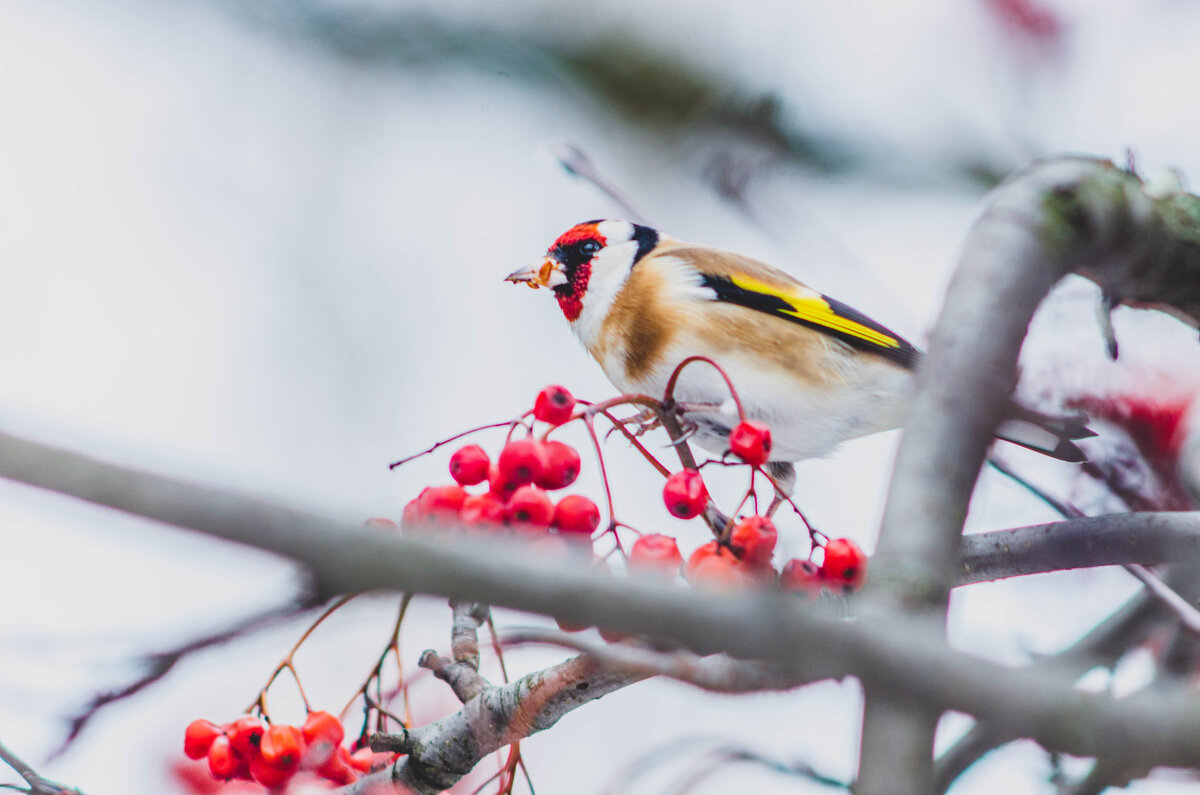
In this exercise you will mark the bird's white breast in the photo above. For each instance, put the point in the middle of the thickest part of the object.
(806, 421)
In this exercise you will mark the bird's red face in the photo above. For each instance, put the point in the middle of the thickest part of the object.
(567, 267)
(587, 266)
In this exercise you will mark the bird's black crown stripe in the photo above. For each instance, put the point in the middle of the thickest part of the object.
(903, 354)
(646, 239)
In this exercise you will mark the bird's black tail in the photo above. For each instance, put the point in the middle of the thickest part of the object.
(1050, 435)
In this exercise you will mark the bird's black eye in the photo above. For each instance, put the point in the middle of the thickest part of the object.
(589, 247)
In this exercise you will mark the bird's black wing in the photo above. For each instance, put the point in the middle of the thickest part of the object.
(815, 311)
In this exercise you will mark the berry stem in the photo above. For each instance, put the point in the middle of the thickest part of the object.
(669, 395)
(641, 448)
(376, 673)
(590, 422)
(455, 437)
(286, 663)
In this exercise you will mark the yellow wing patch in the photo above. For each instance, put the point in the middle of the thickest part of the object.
(812, 307)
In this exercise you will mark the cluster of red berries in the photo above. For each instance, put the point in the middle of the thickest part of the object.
(517, 483)
(745, 556)
(744, 559)
(251, 749)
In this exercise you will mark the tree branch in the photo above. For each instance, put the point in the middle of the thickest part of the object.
(1149, 539)
(899, 653)
(1052, 218)
(37, 784)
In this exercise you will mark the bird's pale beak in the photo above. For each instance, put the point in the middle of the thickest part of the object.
(545, 273)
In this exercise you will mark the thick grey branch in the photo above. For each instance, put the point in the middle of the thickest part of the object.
(898, 653)
(462, 672)
(1118, 539)
(1054, 217)
(442, 752)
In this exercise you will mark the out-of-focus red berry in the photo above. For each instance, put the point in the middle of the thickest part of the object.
(561, 466)
(469, 465)
(442, 502)
(270, 775)
(801, 575)
(554, 405)
(845, 564)
(529, 506)
(482, 509)
(498, 487)
(754, 539)
(717, 570)
(700, 553)
(199, 736)
(379, 523)
(245, 734)
(576, 515)
(685, 494)
(323, 727)
(363, 759)
(750, 440)
(521, 461)
(282, 746)
(337, 767)
(412, 512)
(567, 626)
(224, 762)
(656, 554)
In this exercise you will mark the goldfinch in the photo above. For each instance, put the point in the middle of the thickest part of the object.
(816, 371)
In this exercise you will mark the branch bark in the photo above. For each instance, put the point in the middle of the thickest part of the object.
(1054, 217)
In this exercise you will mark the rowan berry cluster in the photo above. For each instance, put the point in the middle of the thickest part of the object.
(515, 497)
(271, 754)
(517, 485)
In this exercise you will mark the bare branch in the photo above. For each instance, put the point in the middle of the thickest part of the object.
(159, 664)
(898, 653)
(37, 784)
(1118, 539)
(1054, 217)
(718, 673)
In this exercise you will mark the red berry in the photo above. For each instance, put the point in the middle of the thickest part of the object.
(337, 767)
(282, 746)
(441, 502)
(499, 487)
(412, 512)
(469, 465)
(245, 734)
(612, 635)
(363, 759)
(685, 494)
(529, 505)
(801, 575)
(270, 775)
(754, 540)
(223, 761)
(656, 554)
(198, 738)
(379, 523)
(845, 565)
(567, 626)
(576, 514)
(554, 405)
(750, 441)
(482, 509)
(520, 462)
(700, 553)
(323, 727)
(720, 570)
(561, 466)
